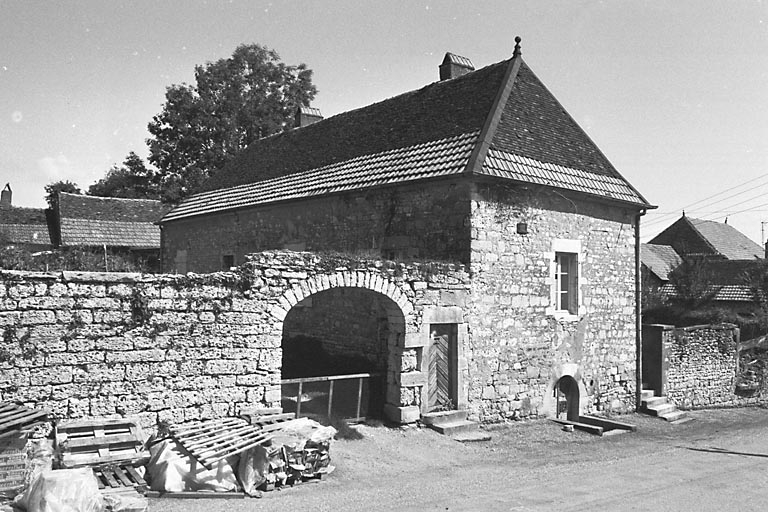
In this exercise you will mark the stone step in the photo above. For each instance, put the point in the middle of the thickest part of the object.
(454, 428)
(646, 394)
(471, 436)
(673, 415)
(684, 419)
(661, 409)
(654, 401)
(442, 417)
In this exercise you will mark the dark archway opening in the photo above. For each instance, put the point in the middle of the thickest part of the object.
(566, 394)
(335, 333)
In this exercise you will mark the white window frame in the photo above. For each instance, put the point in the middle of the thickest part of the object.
(560, 245)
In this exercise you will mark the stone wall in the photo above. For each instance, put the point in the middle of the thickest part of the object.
(174, 348)
(699, 365)
(519, 347)
(164, 348)
(426, 221)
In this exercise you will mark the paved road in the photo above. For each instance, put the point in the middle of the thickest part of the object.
(718, 462)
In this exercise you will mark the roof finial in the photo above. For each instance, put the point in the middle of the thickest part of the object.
(517, 51)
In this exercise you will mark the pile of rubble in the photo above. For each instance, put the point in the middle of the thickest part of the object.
(108, 464)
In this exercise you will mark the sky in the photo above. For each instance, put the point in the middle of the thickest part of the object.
(675, 93)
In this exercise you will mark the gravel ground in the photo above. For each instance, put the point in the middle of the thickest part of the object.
(716, 462)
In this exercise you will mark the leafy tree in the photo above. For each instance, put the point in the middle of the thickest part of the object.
(52, 189)
(234, 102)
(133, 180)
(693, 283)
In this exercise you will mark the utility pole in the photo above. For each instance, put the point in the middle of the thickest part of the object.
(762, 232)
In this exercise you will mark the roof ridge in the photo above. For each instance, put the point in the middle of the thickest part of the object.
(108, 198)
(483, 144)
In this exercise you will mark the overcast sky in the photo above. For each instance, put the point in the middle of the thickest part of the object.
(675, 93)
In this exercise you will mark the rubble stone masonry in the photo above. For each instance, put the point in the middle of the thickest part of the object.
(520, 348)
(183, 347)
(700, 365)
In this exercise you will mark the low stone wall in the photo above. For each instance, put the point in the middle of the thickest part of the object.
(164, 348)
(699, 365)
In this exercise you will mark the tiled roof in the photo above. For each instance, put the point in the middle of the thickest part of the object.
(95, 221)
(535, 141)
(516, 167)
(438, 111)
(24, 226)
(429, 160)
(25, 233)
(727, 240)
(659, 259)
(729, 292)
(90, 232)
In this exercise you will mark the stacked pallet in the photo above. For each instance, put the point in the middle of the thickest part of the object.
(15, 419)
(16, 423)
(113, 449)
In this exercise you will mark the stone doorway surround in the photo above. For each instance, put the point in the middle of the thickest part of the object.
(572, 370)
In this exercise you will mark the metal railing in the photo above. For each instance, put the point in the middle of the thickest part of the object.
(331, 379)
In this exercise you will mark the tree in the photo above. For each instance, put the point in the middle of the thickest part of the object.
(52, 189)
(234, 102)
(133, 180)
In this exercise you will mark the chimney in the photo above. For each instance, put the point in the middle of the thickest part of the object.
(454, 66)
(307, 115)
(5, 197)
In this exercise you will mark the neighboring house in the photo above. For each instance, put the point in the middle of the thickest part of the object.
(127, 226)
(484, 168)
(22, 227)
(658, 262)
(730, 283)
(707, 238)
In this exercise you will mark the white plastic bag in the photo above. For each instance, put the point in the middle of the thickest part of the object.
(253, 469)
(63, 490)
(172, 469)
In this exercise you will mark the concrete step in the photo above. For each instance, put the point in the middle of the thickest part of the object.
(661, 409)
(673, 415)
(442, 417)
(654, 401)
(646, 394)
(456, 427)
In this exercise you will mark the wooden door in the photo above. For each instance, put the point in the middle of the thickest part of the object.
(442, 392)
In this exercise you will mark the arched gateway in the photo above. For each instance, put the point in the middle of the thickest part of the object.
(377, 319)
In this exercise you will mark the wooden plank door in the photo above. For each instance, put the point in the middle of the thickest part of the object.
(442, 368)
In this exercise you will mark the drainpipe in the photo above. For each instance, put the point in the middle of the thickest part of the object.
(638, 317)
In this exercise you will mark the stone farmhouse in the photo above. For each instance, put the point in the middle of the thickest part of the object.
(127, 226)
(23, 227)
(483, 171)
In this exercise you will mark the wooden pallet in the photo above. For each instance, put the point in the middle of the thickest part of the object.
(100, 442)
(13, 464)
(270, 422)
(119, 478)
(213, 440)
(16, 418)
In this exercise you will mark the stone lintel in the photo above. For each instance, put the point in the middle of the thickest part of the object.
(413, 379)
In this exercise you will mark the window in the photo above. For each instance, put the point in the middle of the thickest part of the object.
(567, 282)
(228, 261)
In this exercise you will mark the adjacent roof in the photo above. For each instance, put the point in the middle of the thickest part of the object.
(730, 280)
(726, 293)
(696, 236)
(95, 221)
(659, 259)
(24, 226)
(498, 121)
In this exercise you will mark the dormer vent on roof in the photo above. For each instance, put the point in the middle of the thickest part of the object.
(454, 66)
(307, 115)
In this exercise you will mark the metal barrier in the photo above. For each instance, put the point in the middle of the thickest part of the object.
(361, 377)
